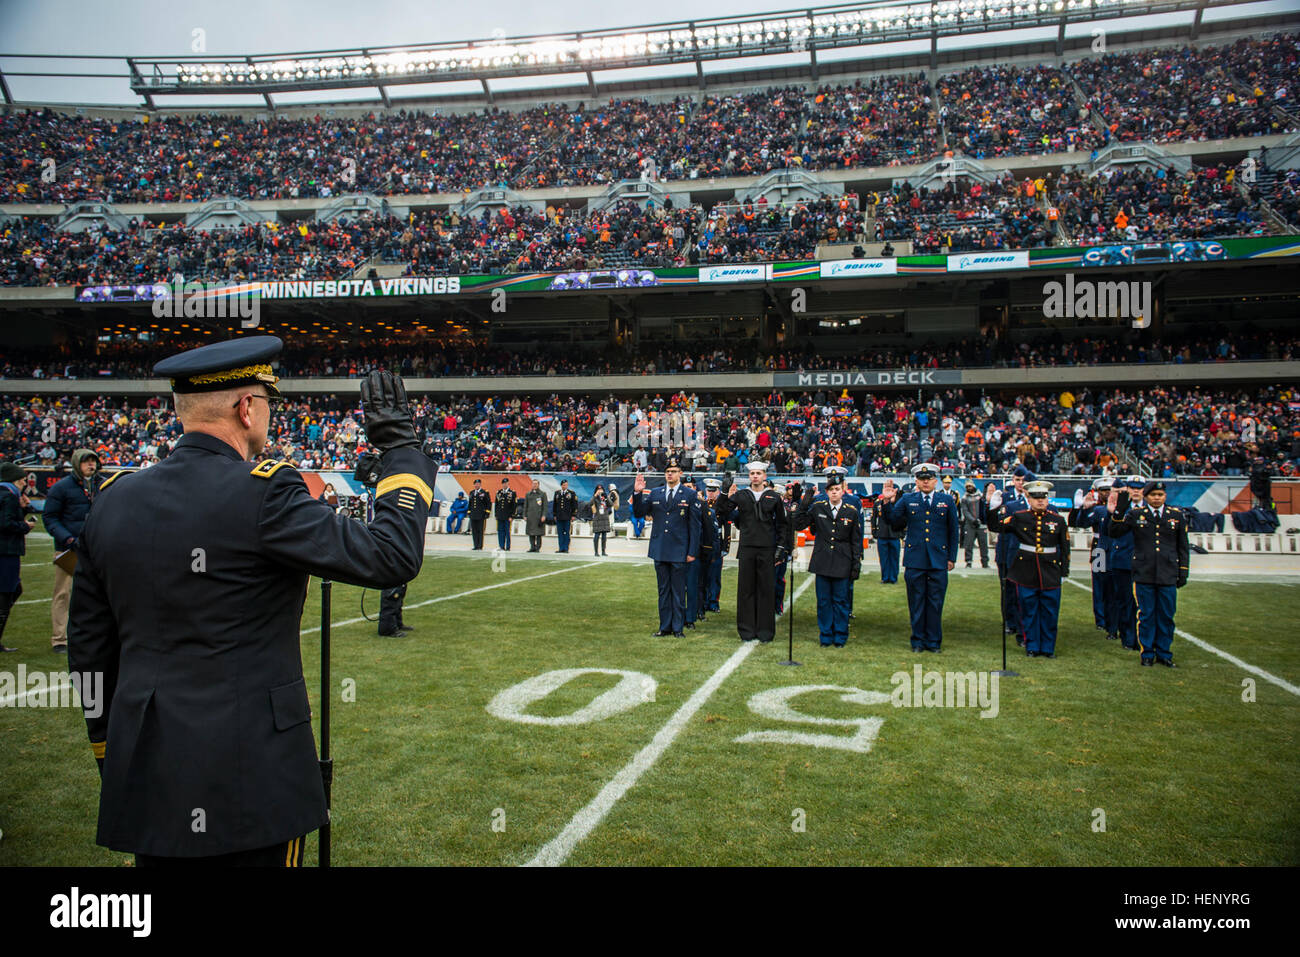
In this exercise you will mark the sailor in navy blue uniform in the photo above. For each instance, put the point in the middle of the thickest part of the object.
(888, 544)
(188, 599)
(763, 524)
(674, 541)
(1092, 513)
(1013, 500)
(928, 519)
(1041, 562)
(721, 535)
(1160, 567)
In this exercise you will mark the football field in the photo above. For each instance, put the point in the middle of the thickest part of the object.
(532, 718)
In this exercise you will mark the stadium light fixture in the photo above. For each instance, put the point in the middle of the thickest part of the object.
(794, 31)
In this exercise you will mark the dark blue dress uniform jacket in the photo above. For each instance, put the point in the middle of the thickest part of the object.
(1160, 548)
(930, 536)
(676, 530)
(188, 596)
(837, 545)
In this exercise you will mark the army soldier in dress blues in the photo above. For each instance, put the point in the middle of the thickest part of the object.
(504, 510)
(1092, 514)
(1013, 500)
(888, 544)
(720, 535)
(836, 558)
(1041, 562)
(763, 525)
(856, 502)
(928, 519)
(1121, 607)
(564, 507)
(1160, 566)
(480, 507)
(674, 541)
(188, 598)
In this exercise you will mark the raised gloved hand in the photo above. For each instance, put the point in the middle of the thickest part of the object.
(388, 416)
(809, 494)
(727, 482)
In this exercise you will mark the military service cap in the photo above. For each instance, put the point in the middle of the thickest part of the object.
(926, 470)
(224, 365)
(1038, 489)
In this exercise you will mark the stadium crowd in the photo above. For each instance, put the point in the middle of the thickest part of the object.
(1195, 431)
(1162, 94)
(423, 357)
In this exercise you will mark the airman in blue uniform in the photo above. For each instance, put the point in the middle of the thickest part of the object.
(674, 541)
(928, 520)
(888, 545)
(1093, 514)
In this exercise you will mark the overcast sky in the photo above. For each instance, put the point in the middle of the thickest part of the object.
(161, 28)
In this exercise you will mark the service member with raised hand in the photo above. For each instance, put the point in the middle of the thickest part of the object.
(1160, 566)
(761, 519)
(928, 519)
(674, 541)
(836, 557)
(188, 598)
(1040, 562)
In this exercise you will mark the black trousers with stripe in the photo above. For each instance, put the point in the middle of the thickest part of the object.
(284, 854)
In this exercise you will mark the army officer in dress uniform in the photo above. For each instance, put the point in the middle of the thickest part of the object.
(480, 507)
(1160, 566)
(504, 509)
(837, 555)
(188, 598)
(674, 541)
(928, 520)
(1041, 560)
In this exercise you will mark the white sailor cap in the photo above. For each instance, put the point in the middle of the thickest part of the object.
(758, 465)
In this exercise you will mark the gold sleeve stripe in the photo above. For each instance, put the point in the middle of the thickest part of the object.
(110, 480)
(268, 467)
(98, 748)
(405, 480)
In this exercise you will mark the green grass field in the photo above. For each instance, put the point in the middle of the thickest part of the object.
(1184, 771)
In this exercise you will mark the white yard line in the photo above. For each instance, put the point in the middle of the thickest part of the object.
(1244, 666)
(463, 594)
(7, 700)
(558, 849)
(33, 601)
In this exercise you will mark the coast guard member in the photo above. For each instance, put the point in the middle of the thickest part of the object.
(1160, 566)
(1092, 513)
(504, 509)
(1040, 562)
(674, 541)
(761, 519)
(928, 519)
(722, 543)
(888, 544)
(1013, 500)
(188, 599)
(836, 557)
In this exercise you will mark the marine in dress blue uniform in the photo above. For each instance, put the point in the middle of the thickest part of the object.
(188, 598)
(1042, 560)
(674, 541)
(1013, 500)
(1160, 568)
(836, 557)
(928, 519)
(888, 544)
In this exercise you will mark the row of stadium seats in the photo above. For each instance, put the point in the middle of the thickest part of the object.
(1162, 94)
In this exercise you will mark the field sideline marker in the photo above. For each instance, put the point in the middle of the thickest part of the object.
(558, 849)
(1271, 678)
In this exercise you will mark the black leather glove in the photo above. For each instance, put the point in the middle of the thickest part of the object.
(855, 571)
(809, 494)
(100, 762)
(1181, 583)
(388, 417)
(727, 482)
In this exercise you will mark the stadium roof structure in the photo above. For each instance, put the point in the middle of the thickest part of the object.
(793, 32)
